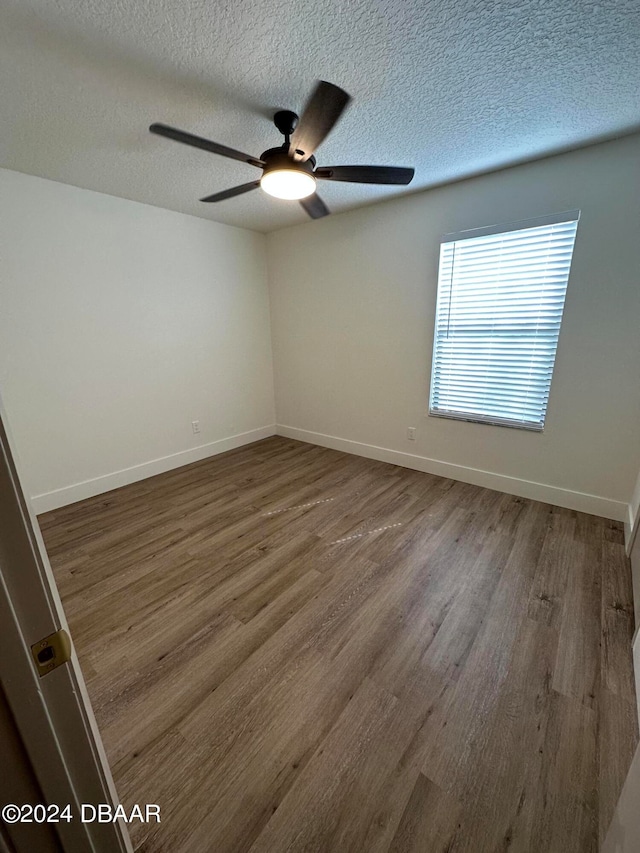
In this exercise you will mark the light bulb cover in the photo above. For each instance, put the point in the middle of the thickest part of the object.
(288, 183)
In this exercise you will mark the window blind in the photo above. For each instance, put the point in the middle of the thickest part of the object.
(499, 308)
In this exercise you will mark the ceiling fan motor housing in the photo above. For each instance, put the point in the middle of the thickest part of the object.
(278, 158)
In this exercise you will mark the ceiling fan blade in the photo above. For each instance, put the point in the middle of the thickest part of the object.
(314, 206)
(243, 188)
(366, 174)
(205, 144)
(324, 108)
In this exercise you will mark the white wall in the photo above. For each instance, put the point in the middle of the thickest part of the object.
(121, 323)
(634, 512)
(352, 304)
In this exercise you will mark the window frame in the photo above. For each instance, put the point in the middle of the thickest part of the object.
(485, 231)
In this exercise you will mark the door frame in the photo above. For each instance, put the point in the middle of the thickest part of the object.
(52, 713)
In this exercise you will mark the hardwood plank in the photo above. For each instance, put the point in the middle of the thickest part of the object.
(502, 759)
(465, 726)
(387, 806)
(454, 640)
(546, 599)
(617, 621)
(430, 821)
(564, 815)
(577, 669)
(326, 799)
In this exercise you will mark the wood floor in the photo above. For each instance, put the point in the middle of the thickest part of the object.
(294, 649)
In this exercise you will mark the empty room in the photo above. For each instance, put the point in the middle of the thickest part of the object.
(320, 427)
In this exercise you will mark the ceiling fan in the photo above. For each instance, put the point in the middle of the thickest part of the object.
(290, 171)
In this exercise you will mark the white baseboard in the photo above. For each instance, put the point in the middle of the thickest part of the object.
(631, 526)
(628, 529)
(592, 504)
(107, 482)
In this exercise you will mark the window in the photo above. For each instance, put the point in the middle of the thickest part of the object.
(500, 301)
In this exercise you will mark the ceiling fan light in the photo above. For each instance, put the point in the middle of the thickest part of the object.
(288, 183)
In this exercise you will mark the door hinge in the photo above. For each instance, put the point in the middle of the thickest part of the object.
(51, 651)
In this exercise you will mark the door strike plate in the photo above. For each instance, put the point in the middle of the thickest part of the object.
(51, 651)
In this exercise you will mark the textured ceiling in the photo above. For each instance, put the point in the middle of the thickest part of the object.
(452, 87)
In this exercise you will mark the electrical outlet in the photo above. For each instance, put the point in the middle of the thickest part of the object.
(195, 426)
(411, 433)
